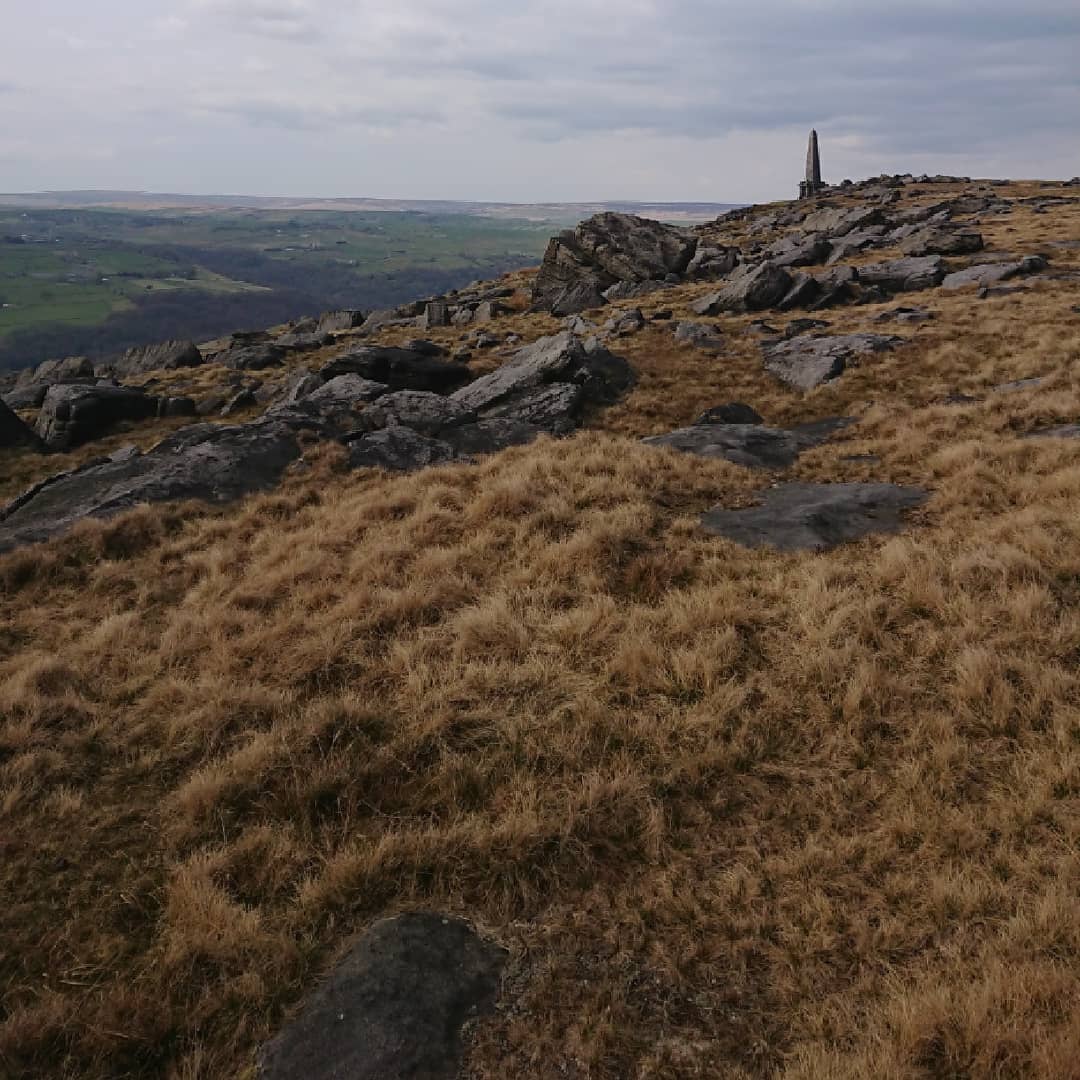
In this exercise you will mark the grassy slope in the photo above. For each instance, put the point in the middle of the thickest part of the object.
(735, 813)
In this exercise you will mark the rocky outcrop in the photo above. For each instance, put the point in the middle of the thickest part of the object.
(14, 433)
(70, 369)
(732, 412)
(700, 336)
(400, 369)
(904, 275)
(988, 274)
(74, 414)
(254, 351)
(750, 288)
(549, 383)
(581, 263)
(816, 517)
(751, 445)
(334, 322)
(940, 240)
(167, 356)
(394, 1007)
(805, 362)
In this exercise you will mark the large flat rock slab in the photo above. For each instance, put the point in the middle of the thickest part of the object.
(816, 517)
(394, 1008)
(754, 446)
(806, 361)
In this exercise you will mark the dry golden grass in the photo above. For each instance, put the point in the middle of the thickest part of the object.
(735, 813)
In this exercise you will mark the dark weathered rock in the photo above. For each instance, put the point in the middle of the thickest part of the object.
(242, 399)
(802, 292)
(905, 315)
(991, 273)
(250, 353)
(904, 275)
(487, 310)
(215, 462)
(625, 323)
(816, 517)
(752, 445)
(176, 406)
(399, 369)
(751, 288)
(420, 410)
(346, 390)
(73, 414)
(711, 261)
(436, 313)
(700, 336)
(70, 369)
(834, 223)
(300, 385)
(333, 322)
(563, 359)
(394, 1007)
(580, 264)
(399, 449)
(13, 432)
(732, 412)
(805, 362)
(939, 240)
(798, 250)
(856, 242)
(1061, 431)
(632, 290)
(166, 356)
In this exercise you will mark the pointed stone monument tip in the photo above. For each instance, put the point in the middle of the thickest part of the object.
(812, 183)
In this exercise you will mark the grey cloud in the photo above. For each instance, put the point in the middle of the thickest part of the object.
(287, 117)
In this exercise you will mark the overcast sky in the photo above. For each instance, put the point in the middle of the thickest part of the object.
(543, 100)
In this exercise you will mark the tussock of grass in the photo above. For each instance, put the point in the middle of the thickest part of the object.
(736, 813)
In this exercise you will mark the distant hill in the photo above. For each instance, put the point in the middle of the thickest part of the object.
(568, 212)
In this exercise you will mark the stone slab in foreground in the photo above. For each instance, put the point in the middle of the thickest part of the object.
(816, 517)
(394, 1007)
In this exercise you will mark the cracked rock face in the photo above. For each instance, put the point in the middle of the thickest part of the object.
(13, 432)
(609, 248)
(72, 414)
(816, 517)
(394, 1006)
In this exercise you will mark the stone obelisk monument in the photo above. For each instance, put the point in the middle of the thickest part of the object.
(812, 184)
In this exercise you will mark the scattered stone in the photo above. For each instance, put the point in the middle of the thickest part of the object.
(905, 315)
(662, 316)
(816, 517)
(394, 1007)
(700, 336)
(855, 242)
(70, 369)
(625, 323)
(804, 326)
(761, 328)
(346, 390)
(14, 433)
(940, 240)
(804, 290)
(798, 250)
(733, 412)
(834, 223)
(436, 314)
(904, 275)
(1020, 384)
(486, 341)
(73, 414)
(805, 362)
(487, 310)
(424, 347)
(399, 369)
(751, 288)
(250, 352)
(242, 399)
(334, 322)
(578, 325)
(169, 407)
(751, 445)
(1062, 431)
(991, 273)
(632, 290)
(168, 356)
(573, 374)
(712, 261)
